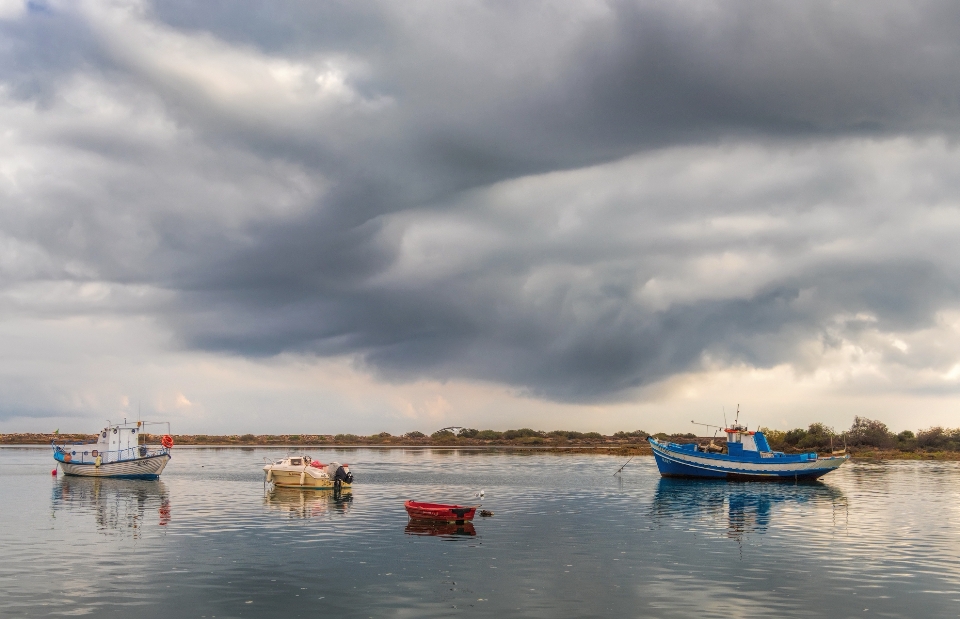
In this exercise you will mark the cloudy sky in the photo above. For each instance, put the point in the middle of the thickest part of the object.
(355, 216)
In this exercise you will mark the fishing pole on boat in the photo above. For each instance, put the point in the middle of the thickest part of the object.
(620, 470)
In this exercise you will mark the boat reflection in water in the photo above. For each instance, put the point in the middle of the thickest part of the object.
(297, 503)
(743, 507)
(117, 505)
(442, 529)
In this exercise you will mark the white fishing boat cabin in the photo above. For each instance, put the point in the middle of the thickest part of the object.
(115, 443)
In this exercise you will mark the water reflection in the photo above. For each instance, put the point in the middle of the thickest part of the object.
(742, 507)
(566, 543)
(442, 529)
(297, 503)
(117, 505)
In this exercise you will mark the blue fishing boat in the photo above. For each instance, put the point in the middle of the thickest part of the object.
(747, 456)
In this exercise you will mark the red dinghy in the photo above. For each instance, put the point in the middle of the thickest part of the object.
(440, 512)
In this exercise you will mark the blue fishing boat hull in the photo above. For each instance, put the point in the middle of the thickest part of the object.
(680, 461)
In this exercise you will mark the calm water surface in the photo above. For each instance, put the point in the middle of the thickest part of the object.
(568, 540)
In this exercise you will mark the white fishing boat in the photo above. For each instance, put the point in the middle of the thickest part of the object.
(118, 451)
(305, 472)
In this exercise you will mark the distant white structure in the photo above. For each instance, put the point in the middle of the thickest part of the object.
(455, 429)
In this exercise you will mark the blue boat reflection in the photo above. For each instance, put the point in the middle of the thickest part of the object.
(742, 507)
(117, 505)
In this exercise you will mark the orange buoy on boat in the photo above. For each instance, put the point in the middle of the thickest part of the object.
(167, 441)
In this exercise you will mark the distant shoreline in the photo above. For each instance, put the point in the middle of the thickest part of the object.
(605, 445)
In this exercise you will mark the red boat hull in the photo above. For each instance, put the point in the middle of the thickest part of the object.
(440, 512)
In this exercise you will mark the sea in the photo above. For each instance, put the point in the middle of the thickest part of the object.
(568, 538)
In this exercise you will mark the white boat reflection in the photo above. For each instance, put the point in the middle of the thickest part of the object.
(117, 505)
(743, 508)
(297, 503)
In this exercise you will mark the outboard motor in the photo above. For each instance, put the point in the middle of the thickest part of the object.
(341, 476)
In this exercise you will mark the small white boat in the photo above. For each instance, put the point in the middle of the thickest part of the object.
(116, 452)
(305, 472)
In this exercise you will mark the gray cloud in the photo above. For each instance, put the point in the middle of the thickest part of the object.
(572, 200)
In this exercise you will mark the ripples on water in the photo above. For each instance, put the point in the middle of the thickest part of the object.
(568, 540)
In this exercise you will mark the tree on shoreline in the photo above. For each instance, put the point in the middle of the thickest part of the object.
(870, 433)
(939, 438)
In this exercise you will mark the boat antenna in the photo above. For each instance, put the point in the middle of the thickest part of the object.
(709, 425)
(620, 470)
(724, 408)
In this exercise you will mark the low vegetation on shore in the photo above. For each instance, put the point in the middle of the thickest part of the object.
(466, 437)
(866, 438)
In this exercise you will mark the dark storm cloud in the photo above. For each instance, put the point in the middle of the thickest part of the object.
(467, 328)
(495, 90)
(442, 189)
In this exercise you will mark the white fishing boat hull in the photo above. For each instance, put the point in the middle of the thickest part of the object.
(140, 468)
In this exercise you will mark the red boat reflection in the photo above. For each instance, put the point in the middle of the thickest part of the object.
(445, 529)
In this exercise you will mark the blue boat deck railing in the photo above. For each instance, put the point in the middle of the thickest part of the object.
(86, 456)
(694, 448)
